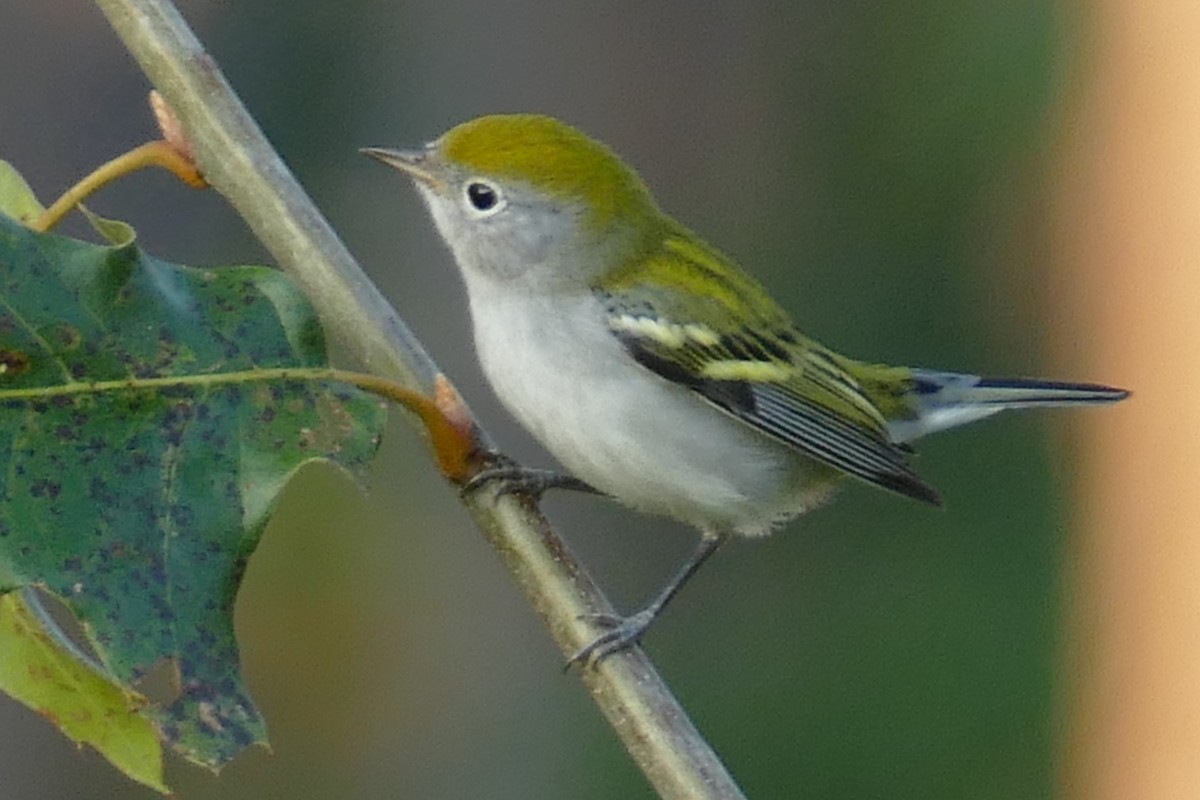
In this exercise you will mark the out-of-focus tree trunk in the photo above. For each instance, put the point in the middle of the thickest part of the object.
(1128, 232)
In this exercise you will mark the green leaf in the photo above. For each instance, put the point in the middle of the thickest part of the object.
(117, 233)
(151, 413)
(86, 707)
(16, 198)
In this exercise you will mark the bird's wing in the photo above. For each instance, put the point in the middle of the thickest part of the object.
(739, 351)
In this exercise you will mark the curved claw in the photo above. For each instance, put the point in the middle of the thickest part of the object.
(601, 620)
(515, 479)
(622, 633)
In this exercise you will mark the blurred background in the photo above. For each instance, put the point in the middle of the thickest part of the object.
(996, 187)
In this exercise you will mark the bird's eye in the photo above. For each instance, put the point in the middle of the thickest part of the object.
(484, 197)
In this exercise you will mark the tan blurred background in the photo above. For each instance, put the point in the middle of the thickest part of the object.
(1002, 187)
(1127, 204)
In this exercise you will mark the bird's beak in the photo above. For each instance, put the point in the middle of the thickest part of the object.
(412, 162)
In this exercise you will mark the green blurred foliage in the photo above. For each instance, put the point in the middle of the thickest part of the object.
(879, 165)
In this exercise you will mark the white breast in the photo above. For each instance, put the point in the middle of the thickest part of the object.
(650, 444)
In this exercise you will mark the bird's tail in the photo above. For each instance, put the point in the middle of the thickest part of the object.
(944, 400)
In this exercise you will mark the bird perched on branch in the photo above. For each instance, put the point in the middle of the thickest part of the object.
(650, 365)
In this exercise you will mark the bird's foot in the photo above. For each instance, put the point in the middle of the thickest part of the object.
(512, 478)
(621, 634)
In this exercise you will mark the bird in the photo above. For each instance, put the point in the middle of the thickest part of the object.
(653, 367)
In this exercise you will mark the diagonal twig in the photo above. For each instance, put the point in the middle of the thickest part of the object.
(238, 161)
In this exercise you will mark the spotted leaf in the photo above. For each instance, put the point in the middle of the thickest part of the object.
(151, 414)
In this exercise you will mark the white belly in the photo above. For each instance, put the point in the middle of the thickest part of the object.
(648, 443)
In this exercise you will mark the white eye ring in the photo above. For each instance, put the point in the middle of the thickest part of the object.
(483, 198)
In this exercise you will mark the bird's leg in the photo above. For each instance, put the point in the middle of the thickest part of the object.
(624, 632)
(516, 479)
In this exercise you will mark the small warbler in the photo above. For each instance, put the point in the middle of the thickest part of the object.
(650, 365)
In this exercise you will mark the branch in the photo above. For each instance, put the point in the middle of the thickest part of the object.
(237, 160)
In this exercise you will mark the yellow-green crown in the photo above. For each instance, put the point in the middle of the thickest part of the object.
(554, 157)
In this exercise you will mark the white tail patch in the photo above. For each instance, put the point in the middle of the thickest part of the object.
(949, 399)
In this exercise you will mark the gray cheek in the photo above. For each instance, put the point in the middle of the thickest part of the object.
(513, 245)
(532, 237)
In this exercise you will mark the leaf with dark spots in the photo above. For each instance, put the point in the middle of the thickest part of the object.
(13, 362)
(150, 421)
